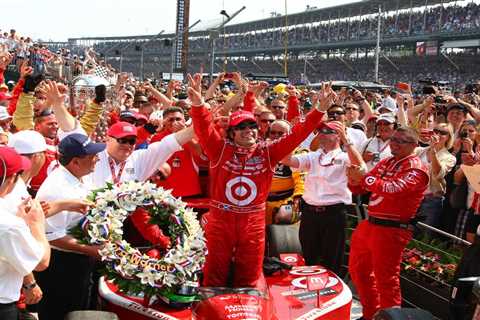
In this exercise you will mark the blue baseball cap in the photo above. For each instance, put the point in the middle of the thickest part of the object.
(78, 145)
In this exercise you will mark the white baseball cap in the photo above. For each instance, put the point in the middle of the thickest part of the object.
(27, 142)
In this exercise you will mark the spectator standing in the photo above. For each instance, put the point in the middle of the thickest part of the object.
(323, 221)
(23, 246)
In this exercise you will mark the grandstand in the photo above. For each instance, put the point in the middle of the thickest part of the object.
(419, 38)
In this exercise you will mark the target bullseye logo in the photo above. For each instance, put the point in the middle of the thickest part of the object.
(240, 191)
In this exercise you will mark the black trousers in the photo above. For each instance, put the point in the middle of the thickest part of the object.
(66, 285)
(322, 235)
(9, 311)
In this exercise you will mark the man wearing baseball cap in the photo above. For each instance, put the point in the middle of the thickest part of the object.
(241, 171)
(24, 247)
(72, 262)
(120, 162)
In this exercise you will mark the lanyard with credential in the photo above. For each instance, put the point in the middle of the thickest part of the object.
(115, 177)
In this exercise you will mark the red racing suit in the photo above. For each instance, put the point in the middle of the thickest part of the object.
(397, 189)
(240, 180)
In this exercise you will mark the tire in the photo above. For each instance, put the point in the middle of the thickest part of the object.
(91, 315)
(283, 238)
(403, 314)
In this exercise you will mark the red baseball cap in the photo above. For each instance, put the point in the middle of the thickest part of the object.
(334, 125)
(11, 162)
(240, 116)
(122, 129)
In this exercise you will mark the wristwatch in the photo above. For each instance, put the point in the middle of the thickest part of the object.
(29, 286)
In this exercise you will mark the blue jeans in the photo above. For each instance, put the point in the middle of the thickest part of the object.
(431, 210)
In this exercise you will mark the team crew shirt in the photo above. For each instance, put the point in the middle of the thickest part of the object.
(61, 185)
(326, 180)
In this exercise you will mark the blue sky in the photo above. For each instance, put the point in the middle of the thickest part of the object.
(58, 20)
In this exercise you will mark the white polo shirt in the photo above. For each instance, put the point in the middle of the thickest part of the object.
(61, 185)
(140, 165)
(20, 253)
(326, 179)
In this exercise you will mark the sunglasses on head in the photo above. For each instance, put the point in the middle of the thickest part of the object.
(130, 141)
(245, 125)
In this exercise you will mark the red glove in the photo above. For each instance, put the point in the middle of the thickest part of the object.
(150, 232)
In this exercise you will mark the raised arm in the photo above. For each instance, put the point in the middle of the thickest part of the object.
(209, 138)
(302, 129)
(56, 94)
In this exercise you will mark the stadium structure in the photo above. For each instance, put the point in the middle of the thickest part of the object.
(418, 38)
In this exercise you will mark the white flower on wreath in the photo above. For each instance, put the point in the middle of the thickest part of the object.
(149, 276)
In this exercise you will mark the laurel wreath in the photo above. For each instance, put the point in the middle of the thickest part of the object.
(131, 270)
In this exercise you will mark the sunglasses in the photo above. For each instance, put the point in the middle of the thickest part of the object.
(401, 141)
(350, 109)
(277, 133)
(245, 125)
(130, 141)
(327, 131)
(278, 107)
(173, 119)
(441, 132)
(267, 120)
(335, 113)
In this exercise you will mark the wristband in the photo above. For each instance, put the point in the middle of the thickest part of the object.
(29, 286)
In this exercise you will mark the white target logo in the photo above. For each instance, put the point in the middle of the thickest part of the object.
(370, 180)
(290, 259)
(301, 282)
(241, 191)
(307, 271)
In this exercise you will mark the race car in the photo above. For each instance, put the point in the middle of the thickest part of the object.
(289, 290)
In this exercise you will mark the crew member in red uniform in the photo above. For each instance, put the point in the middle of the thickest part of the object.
(397, 185)
(241, 170)
(183, 179)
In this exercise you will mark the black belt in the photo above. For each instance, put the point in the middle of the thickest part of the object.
(323, 208)
(390, 223)
(280, 195)
(6, 305)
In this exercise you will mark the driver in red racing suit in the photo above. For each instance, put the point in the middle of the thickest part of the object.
(397, 185)
(241, 170)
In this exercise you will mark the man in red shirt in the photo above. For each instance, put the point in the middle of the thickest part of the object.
(46, 123)
(241, 171)
(397, 185)
(183, 179)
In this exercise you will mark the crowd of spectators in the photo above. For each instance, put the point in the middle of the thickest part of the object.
(438, 19)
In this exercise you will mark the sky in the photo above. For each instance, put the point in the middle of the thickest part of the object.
(59, 20)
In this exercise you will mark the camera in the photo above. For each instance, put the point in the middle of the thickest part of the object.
(463, 135)
(440, 100)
